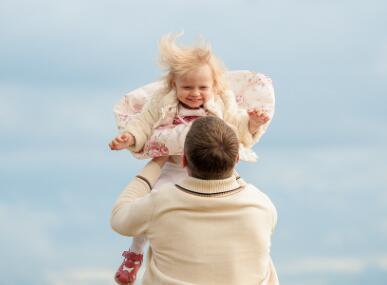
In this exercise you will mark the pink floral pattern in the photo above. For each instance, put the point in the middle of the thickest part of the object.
(252, 90)
(155, 149)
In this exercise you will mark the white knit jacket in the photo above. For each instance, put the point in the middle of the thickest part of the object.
(162, 108)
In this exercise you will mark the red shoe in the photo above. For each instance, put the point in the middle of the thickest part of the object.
(127, 272)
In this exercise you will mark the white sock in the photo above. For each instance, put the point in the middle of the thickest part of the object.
(138, 244)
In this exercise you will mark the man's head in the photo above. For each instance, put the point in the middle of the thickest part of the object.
(211, 149)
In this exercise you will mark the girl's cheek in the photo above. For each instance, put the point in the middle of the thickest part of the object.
(209, 96)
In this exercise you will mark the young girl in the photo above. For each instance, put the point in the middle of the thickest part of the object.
(194, 87)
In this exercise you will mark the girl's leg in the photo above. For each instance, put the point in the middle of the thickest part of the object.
(170, 173)
(138, 244)
(127, 272)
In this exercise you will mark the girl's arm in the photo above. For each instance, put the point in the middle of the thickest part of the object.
(249, 130)
(141, 126)
(257, 121)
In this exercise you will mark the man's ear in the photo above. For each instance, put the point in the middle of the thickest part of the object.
(237, 158)
(184, 162)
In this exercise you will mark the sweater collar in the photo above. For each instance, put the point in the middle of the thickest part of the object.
(209, 186)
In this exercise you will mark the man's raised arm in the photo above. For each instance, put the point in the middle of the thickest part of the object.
(131, 215)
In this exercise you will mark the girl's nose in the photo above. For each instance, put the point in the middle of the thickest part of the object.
(196, 92)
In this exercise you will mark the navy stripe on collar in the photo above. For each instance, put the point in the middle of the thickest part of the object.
(209, 194)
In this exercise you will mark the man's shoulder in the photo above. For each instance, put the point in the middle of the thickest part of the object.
(262, 199)
(257, 194)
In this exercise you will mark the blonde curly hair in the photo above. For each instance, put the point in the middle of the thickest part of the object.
(177, 60)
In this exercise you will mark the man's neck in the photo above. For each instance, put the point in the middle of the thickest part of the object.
(216, 177)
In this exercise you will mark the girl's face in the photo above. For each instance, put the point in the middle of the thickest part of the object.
(195, 88)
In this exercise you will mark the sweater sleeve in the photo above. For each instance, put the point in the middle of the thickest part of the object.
(271, 275)
(131, 215)
(141, 126)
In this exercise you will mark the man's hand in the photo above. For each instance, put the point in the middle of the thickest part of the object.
(161, 160)
(256, 119)
(122, 141)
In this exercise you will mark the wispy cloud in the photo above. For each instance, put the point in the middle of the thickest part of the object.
(332, 265)
(318, 265)
(81, 276)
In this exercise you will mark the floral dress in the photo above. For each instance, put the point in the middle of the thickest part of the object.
(169, 139)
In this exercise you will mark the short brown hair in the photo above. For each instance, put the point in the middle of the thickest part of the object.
(211, 149)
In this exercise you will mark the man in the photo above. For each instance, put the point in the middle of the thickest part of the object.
(210, 228)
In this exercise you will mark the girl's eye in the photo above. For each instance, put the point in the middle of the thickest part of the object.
(203, 87)
(187, 87)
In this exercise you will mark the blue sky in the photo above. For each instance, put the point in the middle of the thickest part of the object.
(64, 64)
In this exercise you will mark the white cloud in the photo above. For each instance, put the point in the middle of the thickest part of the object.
(382, 262)
(87, 276)
(81, 276)
(319, 265)
(308, 282)
(341, 264)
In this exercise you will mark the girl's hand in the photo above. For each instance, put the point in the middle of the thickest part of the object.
(256, 119)
(122, 141)
(161, 160)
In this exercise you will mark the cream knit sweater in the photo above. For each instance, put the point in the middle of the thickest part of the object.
(200, 231)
